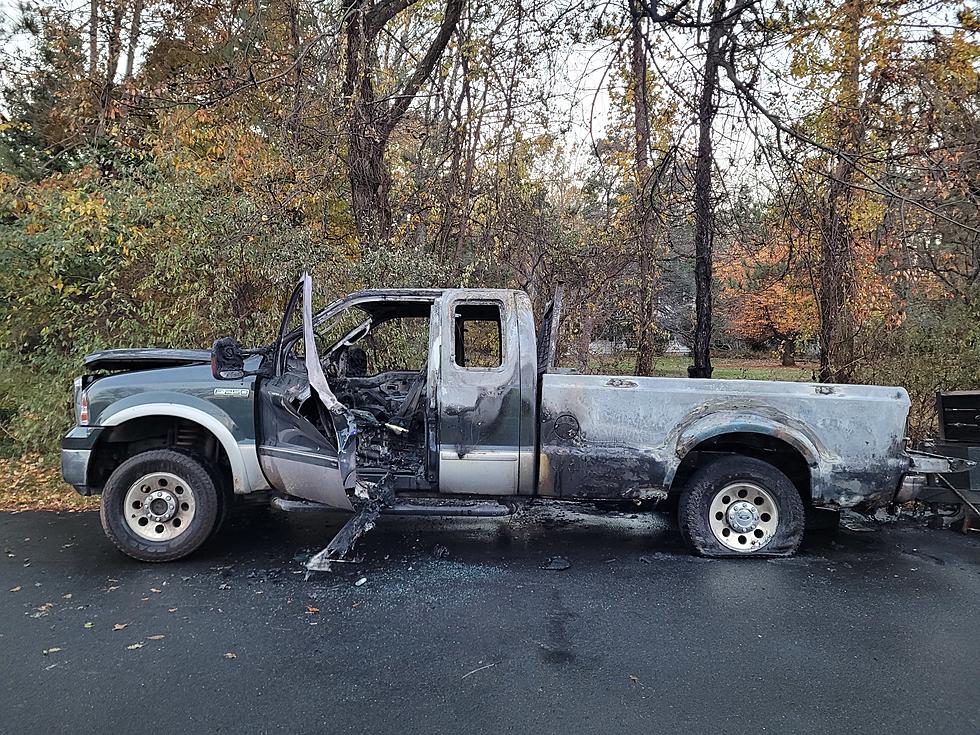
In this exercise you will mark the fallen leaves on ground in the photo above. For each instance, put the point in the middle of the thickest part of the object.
(15, 589)
(119, 626)
(89, 625)
(134, 646)
(231, 654)
(155, 637)
(33, 482)
(312, 610)
(46, 651)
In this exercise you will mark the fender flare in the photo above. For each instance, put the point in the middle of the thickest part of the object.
(246, 472)
(743, 422)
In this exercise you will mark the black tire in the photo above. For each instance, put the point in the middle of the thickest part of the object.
(708, 481)
(195, 473)
(226, 500)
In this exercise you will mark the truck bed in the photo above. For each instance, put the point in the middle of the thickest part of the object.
(626, 437)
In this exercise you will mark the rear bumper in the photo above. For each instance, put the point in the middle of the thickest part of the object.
(76, 454)
(909, 488)
(924, 464)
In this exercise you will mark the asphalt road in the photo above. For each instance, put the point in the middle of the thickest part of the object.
(862, 632)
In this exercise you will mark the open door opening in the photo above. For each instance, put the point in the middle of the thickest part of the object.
(343, 418)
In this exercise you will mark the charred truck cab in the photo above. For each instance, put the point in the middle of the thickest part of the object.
(447, 402)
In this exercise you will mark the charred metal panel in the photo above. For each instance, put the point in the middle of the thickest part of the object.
(528, 368)
(295, 455)
(480, 408)
(603, 437)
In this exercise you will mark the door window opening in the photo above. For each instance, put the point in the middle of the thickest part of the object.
(478, 342)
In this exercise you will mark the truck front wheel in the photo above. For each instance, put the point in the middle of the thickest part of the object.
(736, 506)
(160, 505)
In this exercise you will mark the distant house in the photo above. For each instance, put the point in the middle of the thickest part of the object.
(675, 347)
(607, 346)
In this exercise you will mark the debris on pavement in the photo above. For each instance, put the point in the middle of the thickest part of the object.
(374, 497)
(557, 564)
(854, 521)
(479, 669)
(341, 544)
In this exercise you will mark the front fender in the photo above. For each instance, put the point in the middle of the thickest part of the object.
(246, 472)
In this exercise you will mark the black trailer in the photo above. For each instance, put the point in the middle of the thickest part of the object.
(959, 437)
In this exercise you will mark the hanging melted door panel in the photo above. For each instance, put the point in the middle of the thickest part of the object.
(307, 438)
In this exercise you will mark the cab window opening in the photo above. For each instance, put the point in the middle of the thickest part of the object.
(478, 343)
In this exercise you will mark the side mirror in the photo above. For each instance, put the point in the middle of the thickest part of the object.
(227, 359)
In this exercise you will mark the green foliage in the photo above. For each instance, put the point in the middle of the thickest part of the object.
(155, 255)
(936, 349)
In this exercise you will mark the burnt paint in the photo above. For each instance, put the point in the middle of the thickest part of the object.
(633, 433)
(487, 409)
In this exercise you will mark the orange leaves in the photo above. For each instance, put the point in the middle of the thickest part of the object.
(768, 295)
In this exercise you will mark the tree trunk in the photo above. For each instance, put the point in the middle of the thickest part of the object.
(370, 181)
(836, 277)
(788, 352)
(372, 121)
(93, 39)
(112, 62)
(293, 124)
(703, 214)
(135, 26)
(583, 340)
(644, 200)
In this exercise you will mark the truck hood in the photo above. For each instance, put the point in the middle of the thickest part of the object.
(144, 359)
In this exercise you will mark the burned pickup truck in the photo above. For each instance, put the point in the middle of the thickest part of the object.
(447, 402)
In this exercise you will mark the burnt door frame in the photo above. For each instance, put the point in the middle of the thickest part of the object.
(480, 408)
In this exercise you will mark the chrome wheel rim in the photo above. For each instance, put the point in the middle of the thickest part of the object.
(159, 506)
(743, 517)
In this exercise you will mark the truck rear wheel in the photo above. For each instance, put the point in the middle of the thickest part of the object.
(160, 505)
(738, 506)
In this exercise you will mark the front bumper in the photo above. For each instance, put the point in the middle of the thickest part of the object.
(76, 454)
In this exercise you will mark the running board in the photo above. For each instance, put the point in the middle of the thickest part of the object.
(487, 509)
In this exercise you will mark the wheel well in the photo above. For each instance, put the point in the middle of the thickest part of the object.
(780, 454)
(119, 443)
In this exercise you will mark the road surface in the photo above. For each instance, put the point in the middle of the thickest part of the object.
(459, 627)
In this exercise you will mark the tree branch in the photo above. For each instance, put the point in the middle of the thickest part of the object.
(403, 98)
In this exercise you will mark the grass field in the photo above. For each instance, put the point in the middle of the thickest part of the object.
(725, 368)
